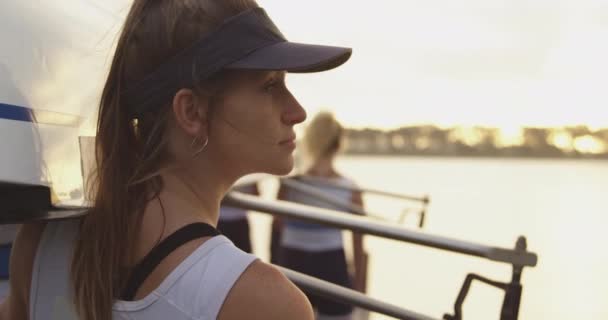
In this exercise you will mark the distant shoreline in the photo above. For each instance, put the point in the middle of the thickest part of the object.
(463, 156)
(577, 142)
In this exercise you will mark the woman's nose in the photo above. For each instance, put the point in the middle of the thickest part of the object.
(293, 113)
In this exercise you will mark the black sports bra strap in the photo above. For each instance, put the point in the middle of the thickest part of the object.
(145, 267)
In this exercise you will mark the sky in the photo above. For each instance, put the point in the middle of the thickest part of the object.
(504, 63)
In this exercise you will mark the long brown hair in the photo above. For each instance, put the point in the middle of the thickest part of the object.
(129, 153)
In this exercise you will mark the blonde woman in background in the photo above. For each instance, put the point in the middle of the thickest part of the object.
(314, 249)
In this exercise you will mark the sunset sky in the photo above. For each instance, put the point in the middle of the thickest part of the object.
(501, 63)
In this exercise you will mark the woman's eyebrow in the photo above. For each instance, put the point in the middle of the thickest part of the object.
(272, 75)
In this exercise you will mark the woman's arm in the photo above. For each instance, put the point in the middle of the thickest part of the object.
(15, 307)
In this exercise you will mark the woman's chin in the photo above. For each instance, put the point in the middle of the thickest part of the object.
(281, 168)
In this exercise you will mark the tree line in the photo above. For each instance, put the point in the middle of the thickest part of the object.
(428, 140)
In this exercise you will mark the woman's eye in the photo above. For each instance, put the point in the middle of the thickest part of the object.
(270, 86)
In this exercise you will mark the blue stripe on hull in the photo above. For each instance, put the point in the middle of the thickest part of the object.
(5, 253)
(11, 112)
(17, 113)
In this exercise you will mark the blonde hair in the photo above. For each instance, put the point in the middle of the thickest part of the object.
(322, 136)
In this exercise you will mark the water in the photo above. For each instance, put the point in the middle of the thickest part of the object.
(559, 205)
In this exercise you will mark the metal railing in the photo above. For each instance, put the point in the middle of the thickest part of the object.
(518, 257)
(424, 199)
(308, 185)
(377, 228)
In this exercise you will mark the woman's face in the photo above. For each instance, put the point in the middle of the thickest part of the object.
(251, 129)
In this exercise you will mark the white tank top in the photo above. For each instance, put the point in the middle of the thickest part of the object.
(195, 289)
(315, 237)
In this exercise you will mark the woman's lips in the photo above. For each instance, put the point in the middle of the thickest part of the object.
(291, 139)
(289, 142)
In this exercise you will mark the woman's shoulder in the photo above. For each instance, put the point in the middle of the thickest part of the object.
(264, 292)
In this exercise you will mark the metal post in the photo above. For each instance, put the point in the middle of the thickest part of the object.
(510, 305)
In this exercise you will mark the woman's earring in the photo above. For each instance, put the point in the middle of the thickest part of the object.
(195, 142)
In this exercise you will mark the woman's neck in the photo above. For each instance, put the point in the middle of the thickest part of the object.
(194, 195)
(186, 197)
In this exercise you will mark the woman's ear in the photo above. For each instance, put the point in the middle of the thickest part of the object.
(191, 112)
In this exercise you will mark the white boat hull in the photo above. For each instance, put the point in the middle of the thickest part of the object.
(52, 67)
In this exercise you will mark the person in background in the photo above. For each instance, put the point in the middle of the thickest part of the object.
(315, 249)
(233, 222)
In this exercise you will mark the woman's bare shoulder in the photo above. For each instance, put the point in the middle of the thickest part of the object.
(263, 292)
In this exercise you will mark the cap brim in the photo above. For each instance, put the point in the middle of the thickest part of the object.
(294, 57)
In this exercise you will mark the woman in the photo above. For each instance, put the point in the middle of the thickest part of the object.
(194, 100)
(315, 249)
